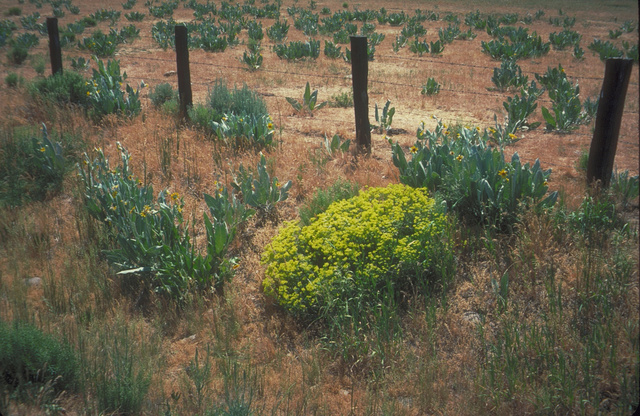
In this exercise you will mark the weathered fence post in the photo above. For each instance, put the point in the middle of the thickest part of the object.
(54, 45)
(359, 77)
(184, 76)
(610, 106)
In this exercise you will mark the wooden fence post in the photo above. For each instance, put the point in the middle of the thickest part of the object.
(184, 76)
(54, 45)
(608, 119)
(359, 77)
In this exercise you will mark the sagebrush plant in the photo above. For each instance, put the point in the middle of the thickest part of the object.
(67, 87)
(473, 178)
(30, 358)
(162, 93)
(32, 169)
(382, 236)
(151, 239)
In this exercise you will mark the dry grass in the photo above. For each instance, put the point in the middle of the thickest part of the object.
(436, 367)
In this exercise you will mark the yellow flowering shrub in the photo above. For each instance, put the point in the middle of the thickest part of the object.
(381, 235)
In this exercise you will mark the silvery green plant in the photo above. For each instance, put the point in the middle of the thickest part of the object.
(309, 101)
(508, 76)
(336, 144)
(431, 87)
(473, 178)
(259, 190)
(384, 118)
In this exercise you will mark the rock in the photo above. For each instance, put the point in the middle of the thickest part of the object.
(33, 282)
(170, 73)
(472, 317)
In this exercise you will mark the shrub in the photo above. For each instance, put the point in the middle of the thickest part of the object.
(13, 11)
(162, 93)
(27, 356)
(240, 102)
(13, 80)
(323, 198)
(509, 75)
(18, 54)
(431, 87)
(30, 168)
(66, 87)
(383, 236)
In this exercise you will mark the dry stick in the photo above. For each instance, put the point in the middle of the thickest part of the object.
(608, 119)
(184, 76)
(359, 75)
(54, 45)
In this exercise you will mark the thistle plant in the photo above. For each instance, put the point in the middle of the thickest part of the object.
(309, 101)
(298, 50)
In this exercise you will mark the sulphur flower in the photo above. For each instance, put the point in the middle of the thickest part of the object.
(413, 149)
(459, 158)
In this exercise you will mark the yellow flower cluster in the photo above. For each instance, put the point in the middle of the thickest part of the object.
(380, 232)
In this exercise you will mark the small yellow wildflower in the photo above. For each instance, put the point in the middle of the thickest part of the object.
(270, 126)
(459, 158)
(545, 183)
(113, 208)
(503, 173)
(512, 136)
(413, 149)
(88, 93)
(277, 184)
(175, 196)
(42, 149)
(451, 153)
(236, 266)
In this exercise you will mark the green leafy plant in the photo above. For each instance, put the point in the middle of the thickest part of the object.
(566, 106)
(278, 31)
(17, 54)
(245, 130)
(100, 44)
(384, 118)
(508, 76)
(254, 30)
(151, 239)
(336, 144)
(436, 48)
(624, 187)
(309, 102)
(298, 50)
(419, 47)
(564, 39)
(431, 87)
(471, 177)
(252, 59)
(518, 111)
(332, 50)
(606, 50)
(105, 93)
(261, 192)
(134, 16)
(383, 236)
